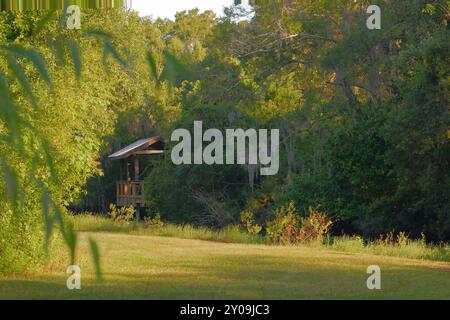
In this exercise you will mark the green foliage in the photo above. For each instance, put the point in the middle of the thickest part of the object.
(316, 226)
(19, 5)
(154, 221)
(284, 228)
(200, 194)
(287, 227)
(249, 224)
(373, 148)
(47, 152)
(122, 214)
(363, 117)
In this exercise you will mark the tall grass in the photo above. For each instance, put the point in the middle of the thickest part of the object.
(407, 248)
(413, 249)
(230, 234)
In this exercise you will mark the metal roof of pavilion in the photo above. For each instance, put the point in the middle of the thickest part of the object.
(136, 148)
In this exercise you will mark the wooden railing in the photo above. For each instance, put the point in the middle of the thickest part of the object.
(130, 193)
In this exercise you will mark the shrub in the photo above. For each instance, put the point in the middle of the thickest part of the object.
(288, 228)
(23, 245)
(260, 203)
(283, 229)
(248, 223)
(154, 222)
(123, 214)
(315, 227)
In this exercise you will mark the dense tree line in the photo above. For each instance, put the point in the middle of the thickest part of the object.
(363, 115)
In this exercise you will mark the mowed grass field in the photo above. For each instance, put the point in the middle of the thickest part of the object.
(148, 267)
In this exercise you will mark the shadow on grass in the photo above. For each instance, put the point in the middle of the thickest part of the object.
(242, 277)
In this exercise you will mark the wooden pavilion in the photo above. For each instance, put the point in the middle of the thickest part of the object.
(130, 186)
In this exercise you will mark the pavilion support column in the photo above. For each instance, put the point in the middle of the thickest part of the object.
(128, 170)
(137, 178)
(136, 169)
(121, 170)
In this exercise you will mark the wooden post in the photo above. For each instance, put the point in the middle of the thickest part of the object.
(128, 170)
(120, 170)
(136, 168)
(136, 178)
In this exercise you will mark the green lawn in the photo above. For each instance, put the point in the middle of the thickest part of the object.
(147, 267)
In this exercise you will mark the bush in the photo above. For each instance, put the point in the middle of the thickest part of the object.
(315, 227)
(123, 214)
(249, 224)
(288, 228)
(154, 222)
(284, 228)
(23, 241)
